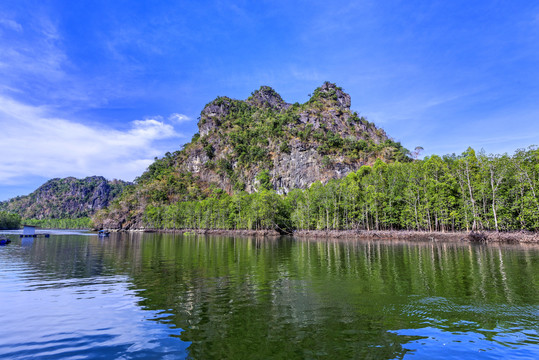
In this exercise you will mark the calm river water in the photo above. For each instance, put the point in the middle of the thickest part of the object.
(75, 296)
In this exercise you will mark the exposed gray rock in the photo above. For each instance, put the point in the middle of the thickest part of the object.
(211, 115)
(342, 98)
(328, 111)
(266, 97)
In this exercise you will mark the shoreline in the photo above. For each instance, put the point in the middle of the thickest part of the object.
(482, 237)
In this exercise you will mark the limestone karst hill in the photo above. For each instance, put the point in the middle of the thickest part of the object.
(66, 198)
(260, 141)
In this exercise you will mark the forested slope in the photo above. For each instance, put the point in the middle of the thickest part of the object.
(67, 198)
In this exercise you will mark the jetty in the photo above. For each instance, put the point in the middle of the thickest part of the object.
(30, 231)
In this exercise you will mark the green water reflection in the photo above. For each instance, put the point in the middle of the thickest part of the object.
(280, 298)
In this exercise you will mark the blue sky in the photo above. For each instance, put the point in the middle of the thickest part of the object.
(102, 87)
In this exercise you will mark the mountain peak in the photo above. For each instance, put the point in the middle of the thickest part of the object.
(331, 94)
(241, 142)
(266, 97)
(297, 144)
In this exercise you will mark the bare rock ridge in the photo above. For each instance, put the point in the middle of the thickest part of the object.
(266, 97)
(341, 98)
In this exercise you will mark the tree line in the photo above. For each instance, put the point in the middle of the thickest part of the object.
(450, 193)
(64, 223)
(9, 220)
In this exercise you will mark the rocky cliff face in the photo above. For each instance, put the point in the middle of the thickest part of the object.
(241, 142)
(66, 198)
(300, 144)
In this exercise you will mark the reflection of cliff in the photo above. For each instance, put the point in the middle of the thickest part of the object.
(297, 299)
(229, 294)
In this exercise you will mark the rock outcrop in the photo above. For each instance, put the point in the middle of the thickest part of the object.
(267, 98)
(296, 157)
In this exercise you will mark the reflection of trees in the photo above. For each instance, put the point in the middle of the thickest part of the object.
(297, 299)
(280, 296)
(77, 256)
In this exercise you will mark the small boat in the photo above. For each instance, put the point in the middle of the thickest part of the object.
(103, 233)
(4, 241)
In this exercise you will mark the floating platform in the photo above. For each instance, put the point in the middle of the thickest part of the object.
(34, 235)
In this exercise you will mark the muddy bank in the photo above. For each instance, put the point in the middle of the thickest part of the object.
(479, 237)
(270, 233)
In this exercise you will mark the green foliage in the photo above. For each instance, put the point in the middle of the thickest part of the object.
(66, 198)
(326, 161)
(210, 151)
(9, 221)
(284, 148)
(159, 169)
(224, 167)
(264, 180)
(319, 95)
(467, 192)
(262, 210)
(80, 223)
(239, 186)
(305, 134)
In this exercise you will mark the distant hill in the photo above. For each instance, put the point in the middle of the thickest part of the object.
(66, 198)
(260, 141)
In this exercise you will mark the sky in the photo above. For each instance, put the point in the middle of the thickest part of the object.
(103, 87)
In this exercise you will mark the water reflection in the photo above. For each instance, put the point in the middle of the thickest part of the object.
(280, 298)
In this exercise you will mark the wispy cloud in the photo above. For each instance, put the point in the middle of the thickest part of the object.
(36, 67)
(41, 87)
(35, 143)
(34, 60)
(179, 118)
(10, 24)
(415, 106)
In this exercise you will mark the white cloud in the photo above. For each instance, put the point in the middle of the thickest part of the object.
(179, 118)
(35, 143)
(11, 24)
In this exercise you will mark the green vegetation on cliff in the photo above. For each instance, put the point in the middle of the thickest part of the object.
(65, 203)
(66, 198)
(242, 143)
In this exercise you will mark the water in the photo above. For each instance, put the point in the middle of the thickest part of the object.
(74, 296)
